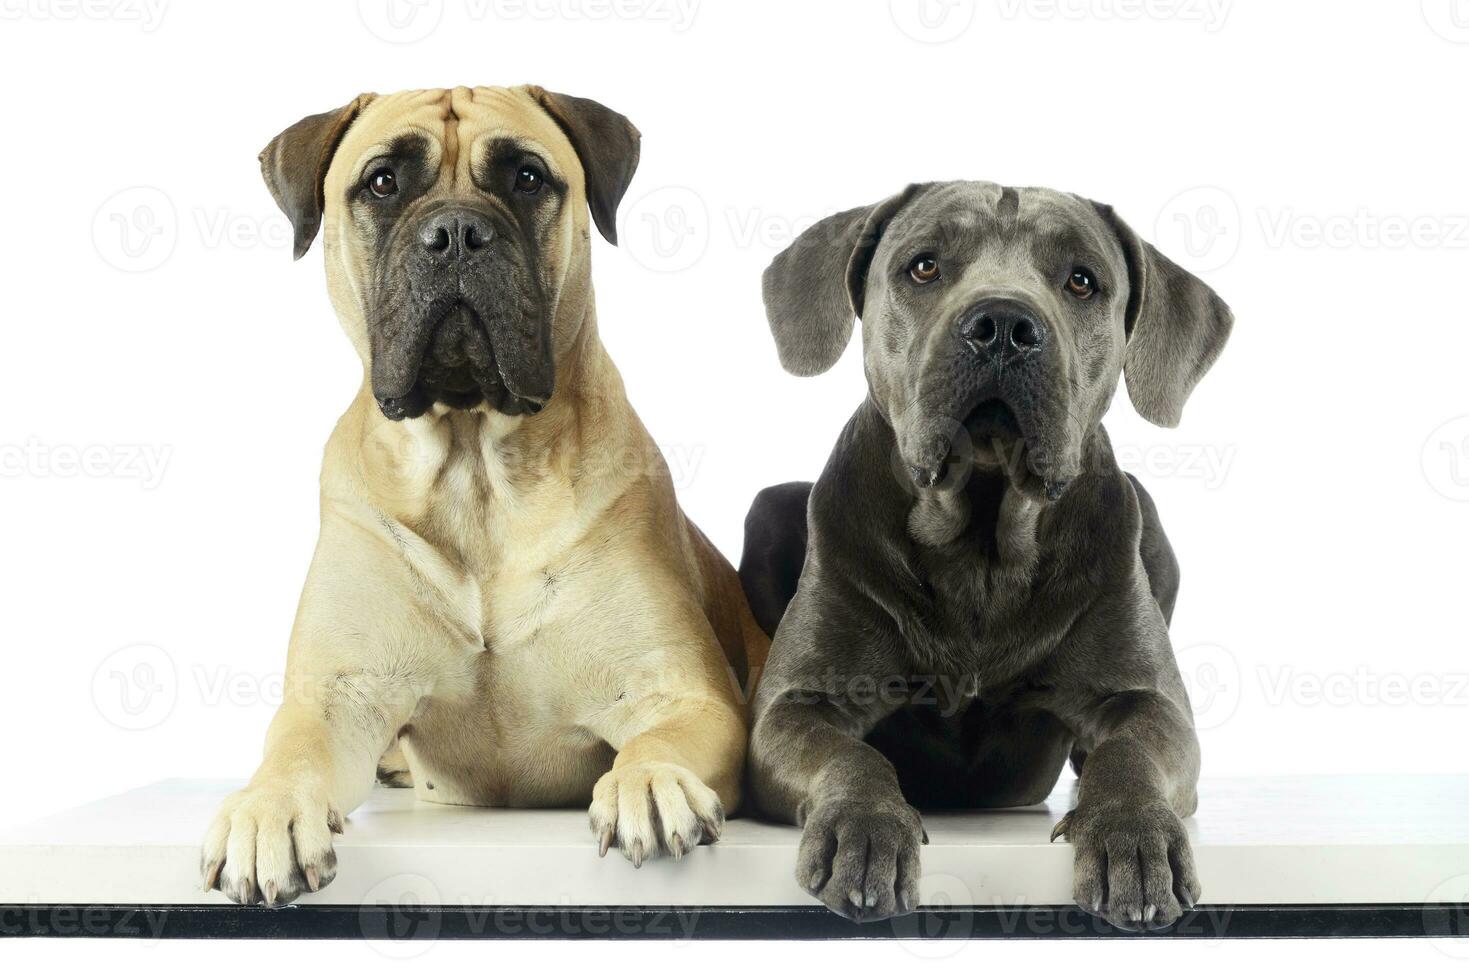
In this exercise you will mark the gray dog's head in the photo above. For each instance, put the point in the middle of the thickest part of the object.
(998, 317)
(455, 226)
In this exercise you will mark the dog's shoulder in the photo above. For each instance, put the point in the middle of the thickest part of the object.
(859, 549)
(856, 495)
(858, 515)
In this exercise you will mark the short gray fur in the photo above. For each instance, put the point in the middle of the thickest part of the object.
(984, 592)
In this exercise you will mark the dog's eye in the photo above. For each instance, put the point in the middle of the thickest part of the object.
(1081, 284)
(924, 269)
(528, 180)
(383, 183)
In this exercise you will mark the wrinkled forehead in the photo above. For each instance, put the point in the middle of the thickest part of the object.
(455, 128)
(1027, 223)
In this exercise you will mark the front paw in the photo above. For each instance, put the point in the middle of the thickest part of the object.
(269, 843)
(1134, 865)
(654, 808)
(861, 859)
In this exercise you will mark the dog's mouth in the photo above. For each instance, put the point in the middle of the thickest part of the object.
(999, 437)
(990, 421)
(457, 367)
(992, 435)
(453, 363)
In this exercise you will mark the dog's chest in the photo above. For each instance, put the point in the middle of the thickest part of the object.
(514, 739)
(510, 726)
(521, 532)
(991, 615)
(513, 557)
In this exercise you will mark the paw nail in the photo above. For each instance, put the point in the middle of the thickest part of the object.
(313, 879)
(855, 897)
(605, 843)
(637, 855)
(1150, 911)
(1188, 898)
(1061, 827)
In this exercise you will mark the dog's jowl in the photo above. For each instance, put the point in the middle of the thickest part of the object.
(973, 591)
(506, 605)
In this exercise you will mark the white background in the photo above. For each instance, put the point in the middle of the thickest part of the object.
(169, 377)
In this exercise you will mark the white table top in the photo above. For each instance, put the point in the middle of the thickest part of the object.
(1299, 840)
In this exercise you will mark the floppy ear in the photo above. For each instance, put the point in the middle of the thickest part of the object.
(606, 142)
(815, 287)
(1176, 327)
(294, 165)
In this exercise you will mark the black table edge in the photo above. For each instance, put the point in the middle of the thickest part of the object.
(427, 923)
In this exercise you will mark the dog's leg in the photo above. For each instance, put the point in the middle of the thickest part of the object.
(1133, 862)
(860, 838)
(354, 674)
(838, 677)
(676, 773)
(1161, 566)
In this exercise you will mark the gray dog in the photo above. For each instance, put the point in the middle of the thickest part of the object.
(973, 590)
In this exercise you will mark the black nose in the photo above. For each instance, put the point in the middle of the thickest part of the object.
(455, 232)
(999, 326)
